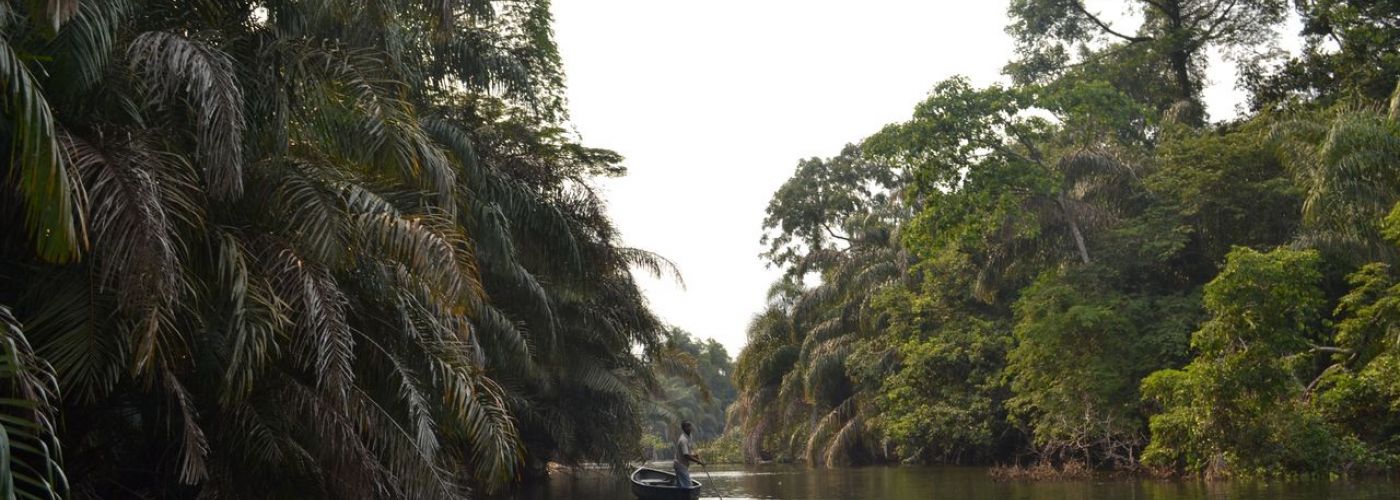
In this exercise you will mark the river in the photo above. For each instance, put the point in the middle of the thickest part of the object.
(925, 483)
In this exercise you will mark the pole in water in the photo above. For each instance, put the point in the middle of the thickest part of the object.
(711, 479)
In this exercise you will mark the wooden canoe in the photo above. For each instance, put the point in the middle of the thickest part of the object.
(652, 484)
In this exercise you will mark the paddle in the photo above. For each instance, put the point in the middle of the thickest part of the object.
(711, 479)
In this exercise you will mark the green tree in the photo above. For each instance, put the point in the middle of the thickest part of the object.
(995, 181)
(1173, 37)
(1214, 190)
(1081, 346)
(942, 396)
(1359, 391)
(1347, 53)
(1014, 273)
(813, 212)
(1235, 408)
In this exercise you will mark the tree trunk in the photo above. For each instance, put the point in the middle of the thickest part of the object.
(1181, 71)
(1074, 228)
(1180, 61)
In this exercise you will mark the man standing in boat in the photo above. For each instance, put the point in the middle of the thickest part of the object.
(685, 454)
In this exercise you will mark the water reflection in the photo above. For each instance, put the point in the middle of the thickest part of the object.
(923, 483)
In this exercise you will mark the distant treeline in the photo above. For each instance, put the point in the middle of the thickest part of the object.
(1082, 268)
(698, 390)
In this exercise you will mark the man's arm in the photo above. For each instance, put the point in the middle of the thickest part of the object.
(689, 453)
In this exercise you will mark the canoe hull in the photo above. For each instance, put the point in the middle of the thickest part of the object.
(654, 484)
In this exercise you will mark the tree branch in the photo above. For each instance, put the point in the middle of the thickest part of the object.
(834, 235)
(1012, 153)
(1307, 391)
(1337, 350)
(1219, 21)
(1079, 6)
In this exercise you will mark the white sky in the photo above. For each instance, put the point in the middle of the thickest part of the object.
(714, 102)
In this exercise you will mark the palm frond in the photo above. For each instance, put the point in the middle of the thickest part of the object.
(819, 334)
(830, 423)
(497, 247)
(1344, 162)
(194, 447)
(424, 433)
(374, 123)
(87, 41)
(526, 210)
(353, 467)
(479, 413)
(30, 456)
(68, 319)
(136, 241)
(325, 339)
(653, 263)
(600, 379)
(257, 316)
(173, 66)
(431, 247)
(251, 434)
(498, 331)
(495, 452)
(52, 197)
(56, 12)
(411, 474)
(313, 197)
(812, 301)
(848, 437)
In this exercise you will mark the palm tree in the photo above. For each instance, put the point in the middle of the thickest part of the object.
(1345, 159)
(794, 368)
(312, 249)
(763, 369)
(839, 314)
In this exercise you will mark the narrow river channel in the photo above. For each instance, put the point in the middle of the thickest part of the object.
(927, 483)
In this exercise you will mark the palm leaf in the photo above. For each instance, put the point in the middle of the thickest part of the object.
(372, 122)
(135, 236)
(51, 196)
(479, 413)
(527, 211)
(172, 65)
(66, 318)
(312, 195)
(433, 252)
(86, 43)
(57, 12)
(257, 317)
(653, 263)
(194, 447)
(326, 342)
(512, 349)
(30, 461)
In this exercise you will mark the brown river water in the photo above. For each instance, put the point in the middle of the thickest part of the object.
(925, 483)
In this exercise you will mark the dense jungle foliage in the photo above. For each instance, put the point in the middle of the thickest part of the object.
(698, 394)
(305, 249)
(1080, 267)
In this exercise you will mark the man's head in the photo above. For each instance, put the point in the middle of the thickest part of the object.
(685, 427)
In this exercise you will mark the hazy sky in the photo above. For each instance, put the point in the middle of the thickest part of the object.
(714, 102)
